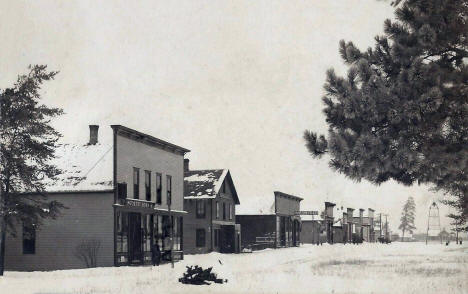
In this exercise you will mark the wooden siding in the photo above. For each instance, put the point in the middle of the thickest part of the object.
(89, 216)
(132, 153)
(254, 226)
(209, 223)
(286, 206)
(192, 223)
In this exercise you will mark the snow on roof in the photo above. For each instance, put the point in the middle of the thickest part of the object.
(257, 206)
(84, 168)
(203, 184)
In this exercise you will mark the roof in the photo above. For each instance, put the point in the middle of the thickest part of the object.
(257, 206)
(84, 168)
(149, 139)
(205, 184)
(278, 193)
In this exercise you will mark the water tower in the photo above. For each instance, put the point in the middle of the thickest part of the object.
(433, 223)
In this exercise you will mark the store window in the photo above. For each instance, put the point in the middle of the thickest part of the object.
(200, 238)
(177, 233)
(166, 232)
(122, 236)
(200, 208)
(146, 229)
(158, 230)
(29, 239)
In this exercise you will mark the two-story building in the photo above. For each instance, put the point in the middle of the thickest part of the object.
(121, 196)
(210, 200)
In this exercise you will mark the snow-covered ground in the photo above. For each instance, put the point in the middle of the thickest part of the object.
(366, 268)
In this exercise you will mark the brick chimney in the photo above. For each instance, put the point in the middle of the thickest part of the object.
(186, 164)
(93, 134)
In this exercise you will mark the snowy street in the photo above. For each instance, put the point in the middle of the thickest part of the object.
(367, 268)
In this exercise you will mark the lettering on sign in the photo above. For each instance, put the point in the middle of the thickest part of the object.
(308, 212)
(138, 203)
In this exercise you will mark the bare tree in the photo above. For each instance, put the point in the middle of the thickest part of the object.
(87, 251)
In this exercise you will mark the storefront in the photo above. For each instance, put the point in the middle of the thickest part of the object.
(137, 229)
(288, 231)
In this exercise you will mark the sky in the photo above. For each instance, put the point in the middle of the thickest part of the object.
(236, 82)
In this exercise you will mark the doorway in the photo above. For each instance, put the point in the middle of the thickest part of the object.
(135, 252)
(227, 239)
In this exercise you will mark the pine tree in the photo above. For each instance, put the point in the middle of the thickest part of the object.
(28, 142)
(401, 112)
(407, 217)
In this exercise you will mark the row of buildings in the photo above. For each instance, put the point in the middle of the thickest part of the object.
(134, 190)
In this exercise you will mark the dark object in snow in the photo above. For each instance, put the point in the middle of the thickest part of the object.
(220, 261)
(196, 275)
(384, 240)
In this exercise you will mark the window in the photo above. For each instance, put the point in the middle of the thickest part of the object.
(200, 208)
(230, 211)
(147, 232)
(148, 185)
(158, 188)
(122, 190)
(169, 190)
(200, 238)
(122, 235)
(224, 187)
(136, 183)
(166, 232)
(29, 239)
(217, 209)
(177, 233)
(224, 210)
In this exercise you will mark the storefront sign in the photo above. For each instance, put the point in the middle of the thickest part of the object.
(307, 212)
(139, 203)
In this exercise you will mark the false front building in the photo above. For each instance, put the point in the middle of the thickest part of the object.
(275, 227)
(121, 197)
(210, 200)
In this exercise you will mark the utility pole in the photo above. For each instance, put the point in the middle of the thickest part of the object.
(386, 227)
(171, 221)
(380, 223)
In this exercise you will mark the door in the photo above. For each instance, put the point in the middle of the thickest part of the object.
(227, 239)
(135, 252)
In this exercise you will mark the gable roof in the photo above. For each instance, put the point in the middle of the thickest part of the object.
(84, 168)
(205, 184)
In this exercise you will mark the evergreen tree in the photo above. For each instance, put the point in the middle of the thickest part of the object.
(401, 112)
(407, 217)
(27, 145)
